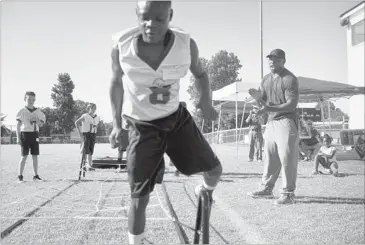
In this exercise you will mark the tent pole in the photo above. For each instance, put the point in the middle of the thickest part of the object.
(329, 117)
(243, 115)
(237, 120)
(213, 126)
(322, 114)
(219, 124)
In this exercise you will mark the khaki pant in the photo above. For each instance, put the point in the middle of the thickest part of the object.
(281, 151)
(256, 141)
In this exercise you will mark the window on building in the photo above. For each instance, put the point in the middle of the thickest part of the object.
(358, 33)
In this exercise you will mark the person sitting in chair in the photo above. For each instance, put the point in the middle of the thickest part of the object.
(311, 144)
(360, 148)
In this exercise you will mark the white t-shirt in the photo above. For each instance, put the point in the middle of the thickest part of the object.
(27, 117)
(152, 94)
(328, 151)
(89, 124)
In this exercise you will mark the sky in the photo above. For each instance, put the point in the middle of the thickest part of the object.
(41, 39)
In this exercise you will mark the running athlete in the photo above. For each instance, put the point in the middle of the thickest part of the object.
(148, 62)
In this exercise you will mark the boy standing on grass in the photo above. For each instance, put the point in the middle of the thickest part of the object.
(326, 157)
(89, 124)
(29, 120)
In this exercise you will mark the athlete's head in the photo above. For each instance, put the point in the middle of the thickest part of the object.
(327, 140)
(91, 108)
(29, 98)
(153, 19)
(276, 60)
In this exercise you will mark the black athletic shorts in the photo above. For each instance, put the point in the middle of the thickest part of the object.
(178, 136)
(29, 141)
(89, 142)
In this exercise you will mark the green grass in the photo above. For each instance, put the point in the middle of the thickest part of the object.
(328, 209)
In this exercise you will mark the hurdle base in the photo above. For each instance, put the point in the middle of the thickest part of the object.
(109, 162)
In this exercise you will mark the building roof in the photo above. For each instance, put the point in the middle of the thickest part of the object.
(356, 6)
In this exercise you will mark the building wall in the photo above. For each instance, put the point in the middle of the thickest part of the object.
(356, 74)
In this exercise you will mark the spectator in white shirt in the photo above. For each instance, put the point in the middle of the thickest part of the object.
(29, 120)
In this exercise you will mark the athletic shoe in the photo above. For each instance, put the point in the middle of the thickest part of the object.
(89, 168)
(37, 178)
(20, 179)
(261, 194)
(285, 199)
(250, 160)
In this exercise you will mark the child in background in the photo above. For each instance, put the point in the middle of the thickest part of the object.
(29, 120)
(326, 156)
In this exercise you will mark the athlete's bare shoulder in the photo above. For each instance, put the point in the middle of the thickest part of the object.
(195, 65)
(125, 35)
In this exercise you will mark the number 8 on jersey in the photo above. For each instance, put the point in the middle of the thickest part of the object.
(160, 95)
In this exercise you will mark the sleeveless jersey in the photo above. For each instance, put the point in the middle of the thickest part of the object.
(27, 117)
(152, 94)
(90, 124)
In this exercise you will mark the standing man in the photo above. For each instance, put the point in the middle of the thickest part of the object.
(279, 95)
(148, 62)
(255, 136)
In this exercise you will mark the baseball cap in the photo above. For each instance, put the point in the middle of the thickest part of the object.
(279, 53)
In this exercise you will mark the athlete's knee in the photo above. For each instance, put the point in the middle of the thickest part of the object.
(214, 174)
(217, 171)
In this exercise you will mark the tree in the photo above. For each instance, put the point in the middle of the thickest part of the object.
(5, 131)
(108, 128)
(222, 69)
(336, 113)
(51, 117)
(194, 95)
(101, 130)
(80, 108)
(63, 101)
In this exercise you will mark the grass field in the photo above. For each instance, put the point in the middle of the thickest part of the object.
(93, 211)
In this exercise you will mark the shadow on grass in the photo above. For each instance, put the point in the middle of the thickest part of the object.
(329, 200)
(103, 180)
(254, 175)
(340, 175)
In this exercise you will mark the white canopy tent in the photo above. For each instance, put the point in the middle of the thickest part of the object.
(236, 97)
(310, 90)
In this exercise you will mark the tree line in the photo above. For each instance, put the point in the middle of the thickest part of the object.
(222, 69)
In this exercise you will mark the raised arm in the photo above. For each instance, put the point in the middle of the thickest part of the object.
(116, 90)
(202, 83)
(201, 77)
(78, 123)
